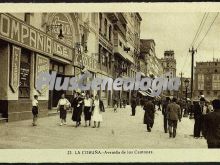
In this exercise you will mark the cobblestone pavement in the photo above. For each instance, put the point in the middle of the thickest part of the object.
(118, 130)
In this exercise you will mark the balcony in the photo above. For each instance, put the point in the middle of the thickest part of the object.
(119, 49)
(105, 42)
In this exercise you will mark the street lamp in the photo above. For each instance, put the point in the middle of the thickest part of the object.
(52, 27)
(186, 82)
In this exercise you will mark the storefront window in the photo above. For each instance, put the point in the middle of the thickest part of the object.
(24, 87)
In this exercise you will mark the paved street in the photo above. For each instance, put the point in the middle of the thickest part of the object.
(119, 130)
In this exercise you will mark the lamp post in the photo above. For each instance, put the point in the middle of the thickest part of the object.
(52, 27)
(186, 82)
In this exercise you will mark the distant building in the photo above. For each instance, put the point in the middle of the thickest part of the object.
(207, 79)
(169, 66)
(152, 65)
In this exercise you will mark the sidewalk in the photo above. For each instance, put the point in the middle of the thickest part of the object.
(118, 130)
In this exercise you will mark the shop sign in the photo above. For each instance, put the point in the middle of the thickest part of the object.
(42, 65)
(62, 51)
(66, 28)
(15, 68)
(22, 34)
(89, 62)
(84, 60)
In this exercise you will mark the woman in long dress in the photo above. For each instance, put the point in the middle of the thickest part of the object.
(77, 109)
(97, 112)
(149, 114)
(62, 106)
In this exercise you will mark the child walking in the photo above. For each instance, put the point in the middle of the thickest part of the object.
(35, 110)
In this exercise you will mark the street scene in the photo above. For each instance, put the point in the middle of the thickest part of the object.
(119, 130)
(109, 80)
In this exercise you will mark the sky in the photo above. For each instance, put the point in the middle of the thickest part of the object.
(176, 31)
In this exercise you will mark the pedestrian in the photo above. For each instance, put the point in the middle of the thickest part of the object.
(97, 112)
(159, 105)
(211, 127)
(87, 109)
(77, 109)
(173, 114)
(182, 105)
(133, 105)
(62, 106)
(200, 109)
(149, 114)
(35, 110)
(164, 112)
(209, 106)
(115, 105)
(124, 103)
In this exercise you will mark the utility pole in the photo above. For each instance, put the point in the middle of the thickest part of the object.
(181, 79)
(192, 51)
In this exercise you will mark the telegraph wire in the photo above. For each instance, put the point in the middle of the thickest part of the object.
(205, 16)
(207, 31)
(199, 30)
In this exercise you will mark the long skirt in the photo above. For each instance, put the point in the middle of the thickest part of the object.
(77, 111)
(87, 113)
(148, 118)
(97, 116)
(62, 112)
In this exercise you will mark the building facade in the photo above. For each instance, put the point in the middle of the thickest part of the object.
(151, 65)
(35, 42)
(169, 64)
(207, 79)
(126, 48)
(169, 69)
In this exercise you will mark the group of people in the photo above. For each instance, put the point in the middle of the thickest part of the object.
(81, 103)
(171, 112)
(206, 115)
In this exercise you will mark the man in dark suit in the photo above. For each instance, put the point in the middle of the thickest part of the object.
(211, 126)
(164, 112)
(133, 106)
(199, 117)
(173, 115)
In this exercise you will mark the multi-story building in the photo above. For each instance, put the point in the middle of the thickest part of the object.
(169, 64)
(126, 47)
(151, 66)
(207, 79)
(106, 53)
(169, 68)
(34, 42)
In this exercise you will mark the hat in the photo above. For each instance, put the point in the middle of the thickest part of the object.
(216, 104)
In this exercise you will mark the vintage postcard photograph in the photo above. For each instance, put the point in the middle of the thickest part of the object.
(94, 83)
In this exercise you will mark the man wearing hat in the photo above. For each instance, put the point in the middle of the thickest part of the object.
(211, 128)
(200, 109)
